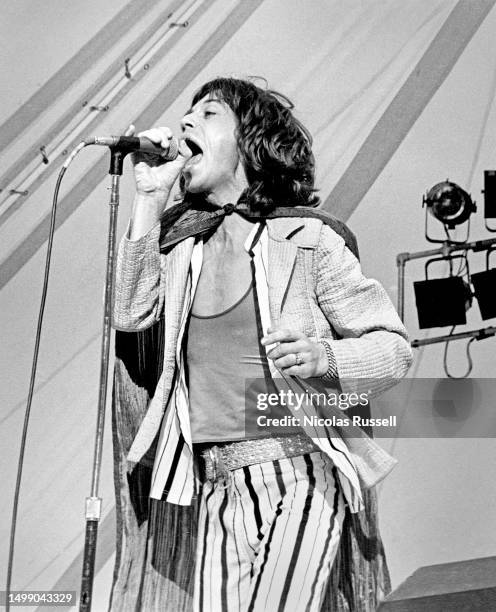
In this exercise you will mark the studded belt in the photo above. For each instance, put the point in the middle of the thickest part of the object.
(218, 459)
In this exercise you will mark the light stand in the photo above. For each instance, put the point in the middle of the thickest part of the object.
(93, 502)
(445, 251)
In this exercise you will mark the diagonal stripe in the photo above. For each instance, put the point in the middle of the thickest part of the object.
(301, 533)
(328, 539)
(60, 126)
(282, 491)
(243, 513)
(254, 499)
(406, 107)
(173, 467)
(266, 555)
(72, 70)
(286, 537)
(106, 548)
(204, 551)
(223, 553)
(279, 478)
(318, 529)
(95, 175)
(236, 536)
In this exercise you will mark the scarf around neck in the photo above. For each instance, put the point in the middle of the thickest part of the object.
(184, 220)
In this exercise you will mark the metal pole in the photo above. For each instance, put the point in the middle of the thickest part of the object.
(93, 503)
(447, 248)
(400, 262)
(478, 334)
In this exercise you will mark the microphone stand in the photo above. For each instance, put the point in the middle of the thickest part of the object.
(93, 502)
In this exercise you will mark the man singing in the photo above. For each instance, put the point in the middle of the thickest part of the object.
(253, 284)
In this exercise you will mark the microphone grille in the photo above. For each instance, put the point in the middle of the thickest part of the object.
(173, 150)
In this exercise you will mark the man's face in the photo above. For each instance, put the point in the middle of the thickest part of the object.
(215, 167)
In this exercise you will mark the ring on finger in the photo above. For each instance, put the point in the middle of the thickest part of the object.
(298, 358)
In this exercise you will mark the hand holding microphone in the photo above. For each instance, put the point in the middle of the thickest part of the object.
(157, 164)
(158, 161)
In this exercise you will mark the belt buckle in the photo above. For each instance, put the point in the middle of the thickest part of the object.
(220, 472)
(213, 460)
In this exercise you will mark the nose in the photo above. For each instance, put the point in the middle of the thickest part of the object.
(187, 122)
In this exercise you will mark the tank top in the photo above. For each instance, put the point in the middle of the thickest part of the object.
(227, 369)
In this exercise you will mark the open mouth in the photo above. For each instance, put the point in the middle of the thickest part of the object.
(195, 149)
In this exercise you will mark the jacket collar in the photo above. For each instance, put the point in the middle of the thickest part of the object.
(275, 257)
(285, 228)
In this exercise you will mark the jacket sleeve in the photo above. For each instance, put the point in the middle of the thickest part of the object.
(139, 290)
(373, 343)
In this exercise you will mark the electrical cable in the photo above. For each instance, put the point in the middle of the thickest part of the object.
(463, 266)
(469, 358)
(32, 379)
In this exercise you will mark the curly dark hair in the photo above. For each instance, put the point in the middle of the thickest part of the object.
(275, 148)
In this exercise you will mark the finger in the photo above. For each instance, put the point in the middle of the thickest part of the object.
(130, 130)
(159, 135)
(302, 371)
(289, 361)
(287, 348)
(281, 335)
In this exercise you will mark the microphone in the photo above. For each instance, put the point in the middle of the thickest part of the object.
(136, 143)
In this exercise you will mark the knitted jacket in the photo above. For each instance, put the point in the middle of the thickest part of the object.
(315, 285)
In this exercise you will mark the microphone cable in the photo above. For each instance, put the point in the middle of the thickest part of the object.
(29, 401)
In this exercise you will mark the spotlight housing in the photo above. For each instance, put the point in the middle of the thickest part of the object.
(449, 203)
(442, 301)
(484, 284)
(489, 194)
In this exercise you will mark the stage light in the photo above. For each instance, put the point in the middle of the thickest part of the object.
(490, 194)
(442, 301)
(449, 203)
(484, 284)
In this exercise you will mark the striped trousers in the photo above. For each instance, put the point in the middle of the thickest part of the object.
(268, 536)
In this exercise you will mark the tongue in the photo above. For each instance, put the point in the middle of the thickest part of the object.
(195, 159)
